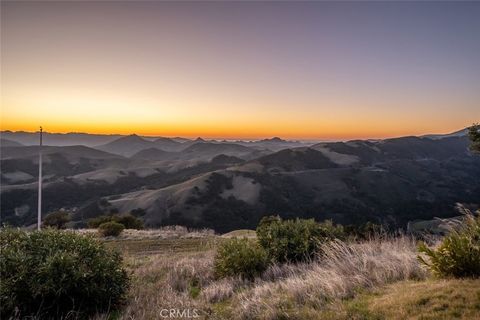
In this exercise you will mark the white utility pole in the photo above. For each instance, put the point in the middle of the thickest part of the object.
(39, 221)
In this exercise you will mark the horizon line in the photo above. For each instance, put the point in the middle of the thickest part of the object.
(193, 137)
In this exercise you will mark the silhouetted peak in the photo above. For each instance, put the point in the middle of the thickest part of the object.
(274, 139)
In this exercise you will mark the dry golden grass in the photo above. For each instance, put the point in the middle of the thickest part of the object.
(433, 299)
(163, 246)
(370, 281)
(243, 233)
(344, 269)
(167, 232)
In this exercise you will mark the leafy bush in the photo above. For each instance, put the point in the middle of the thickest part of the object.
(294, 240)
(56, 219)
(111, 228)
(240, 257)
(51, 273)
(459, 253)
(127, 220)
(96, 222)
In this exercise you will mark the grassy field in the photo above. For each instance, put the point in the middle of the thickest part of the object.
(427, 300)
(145, 247)
(379, 279)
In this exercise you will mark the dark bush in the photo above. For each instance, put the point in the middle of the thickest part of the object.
(459, 253)
(96, 222)
(129, 221)
(56, 219)
(51, 274)
(294, 240)
(111, 228)
(240, 257)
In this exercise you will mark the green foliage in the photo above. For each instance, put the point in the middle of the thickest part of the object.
(240, 257)
(96, 222)
(294, 240)
(194, 288)
(51, 273)
(127, 220)
(459, 253)
(474, 134)
(111, 228)
(56, 219)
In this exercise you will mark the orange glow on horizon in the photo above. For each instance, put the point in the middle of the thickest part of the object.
(290, 70)
(230, 131)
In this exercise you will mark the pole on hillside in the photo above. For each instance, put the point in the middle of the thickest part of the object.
(39, 221)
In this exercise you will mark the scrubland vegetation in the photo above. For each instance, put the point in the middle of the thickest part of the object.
(293, 269)
(53, 275)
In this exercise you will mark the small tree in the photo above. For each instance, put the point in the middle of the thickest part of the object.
(474, 134)
(56, 219)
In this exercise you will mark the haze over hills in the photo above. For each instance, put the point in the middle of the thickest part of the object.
(225, 185)
(59, 139)
(9, 143)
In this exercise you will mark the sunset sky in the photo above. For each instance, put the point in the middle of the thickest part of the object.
(312, 70)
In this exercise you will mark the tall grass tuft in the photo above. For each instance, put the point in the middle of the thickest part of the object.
(343, 269)
(458, 255)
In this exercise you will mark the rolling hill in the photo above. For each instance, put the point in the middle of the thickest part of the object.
(9, 143)
(227, 186)
(389, 181)
(127, 146)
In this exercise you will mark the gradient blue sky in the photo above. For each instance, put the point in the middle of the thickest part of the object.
(291, 69)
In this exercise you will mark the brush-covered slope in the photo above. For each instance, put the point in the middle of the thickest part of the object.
(229, 186)
(153, 154)
(390, 181)
(20, 164)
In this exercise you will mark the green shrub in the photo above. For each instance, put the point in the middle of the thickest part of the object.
(240, 257)
(129, 221)
(459, 253)
(56, 219)
(51, 273)
(294, 240)
(111, 228)
(96, 222)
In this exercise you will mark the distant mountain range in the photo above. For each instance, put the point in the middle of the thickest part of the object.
(94, 140)
(230, 185)
(129, 145)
